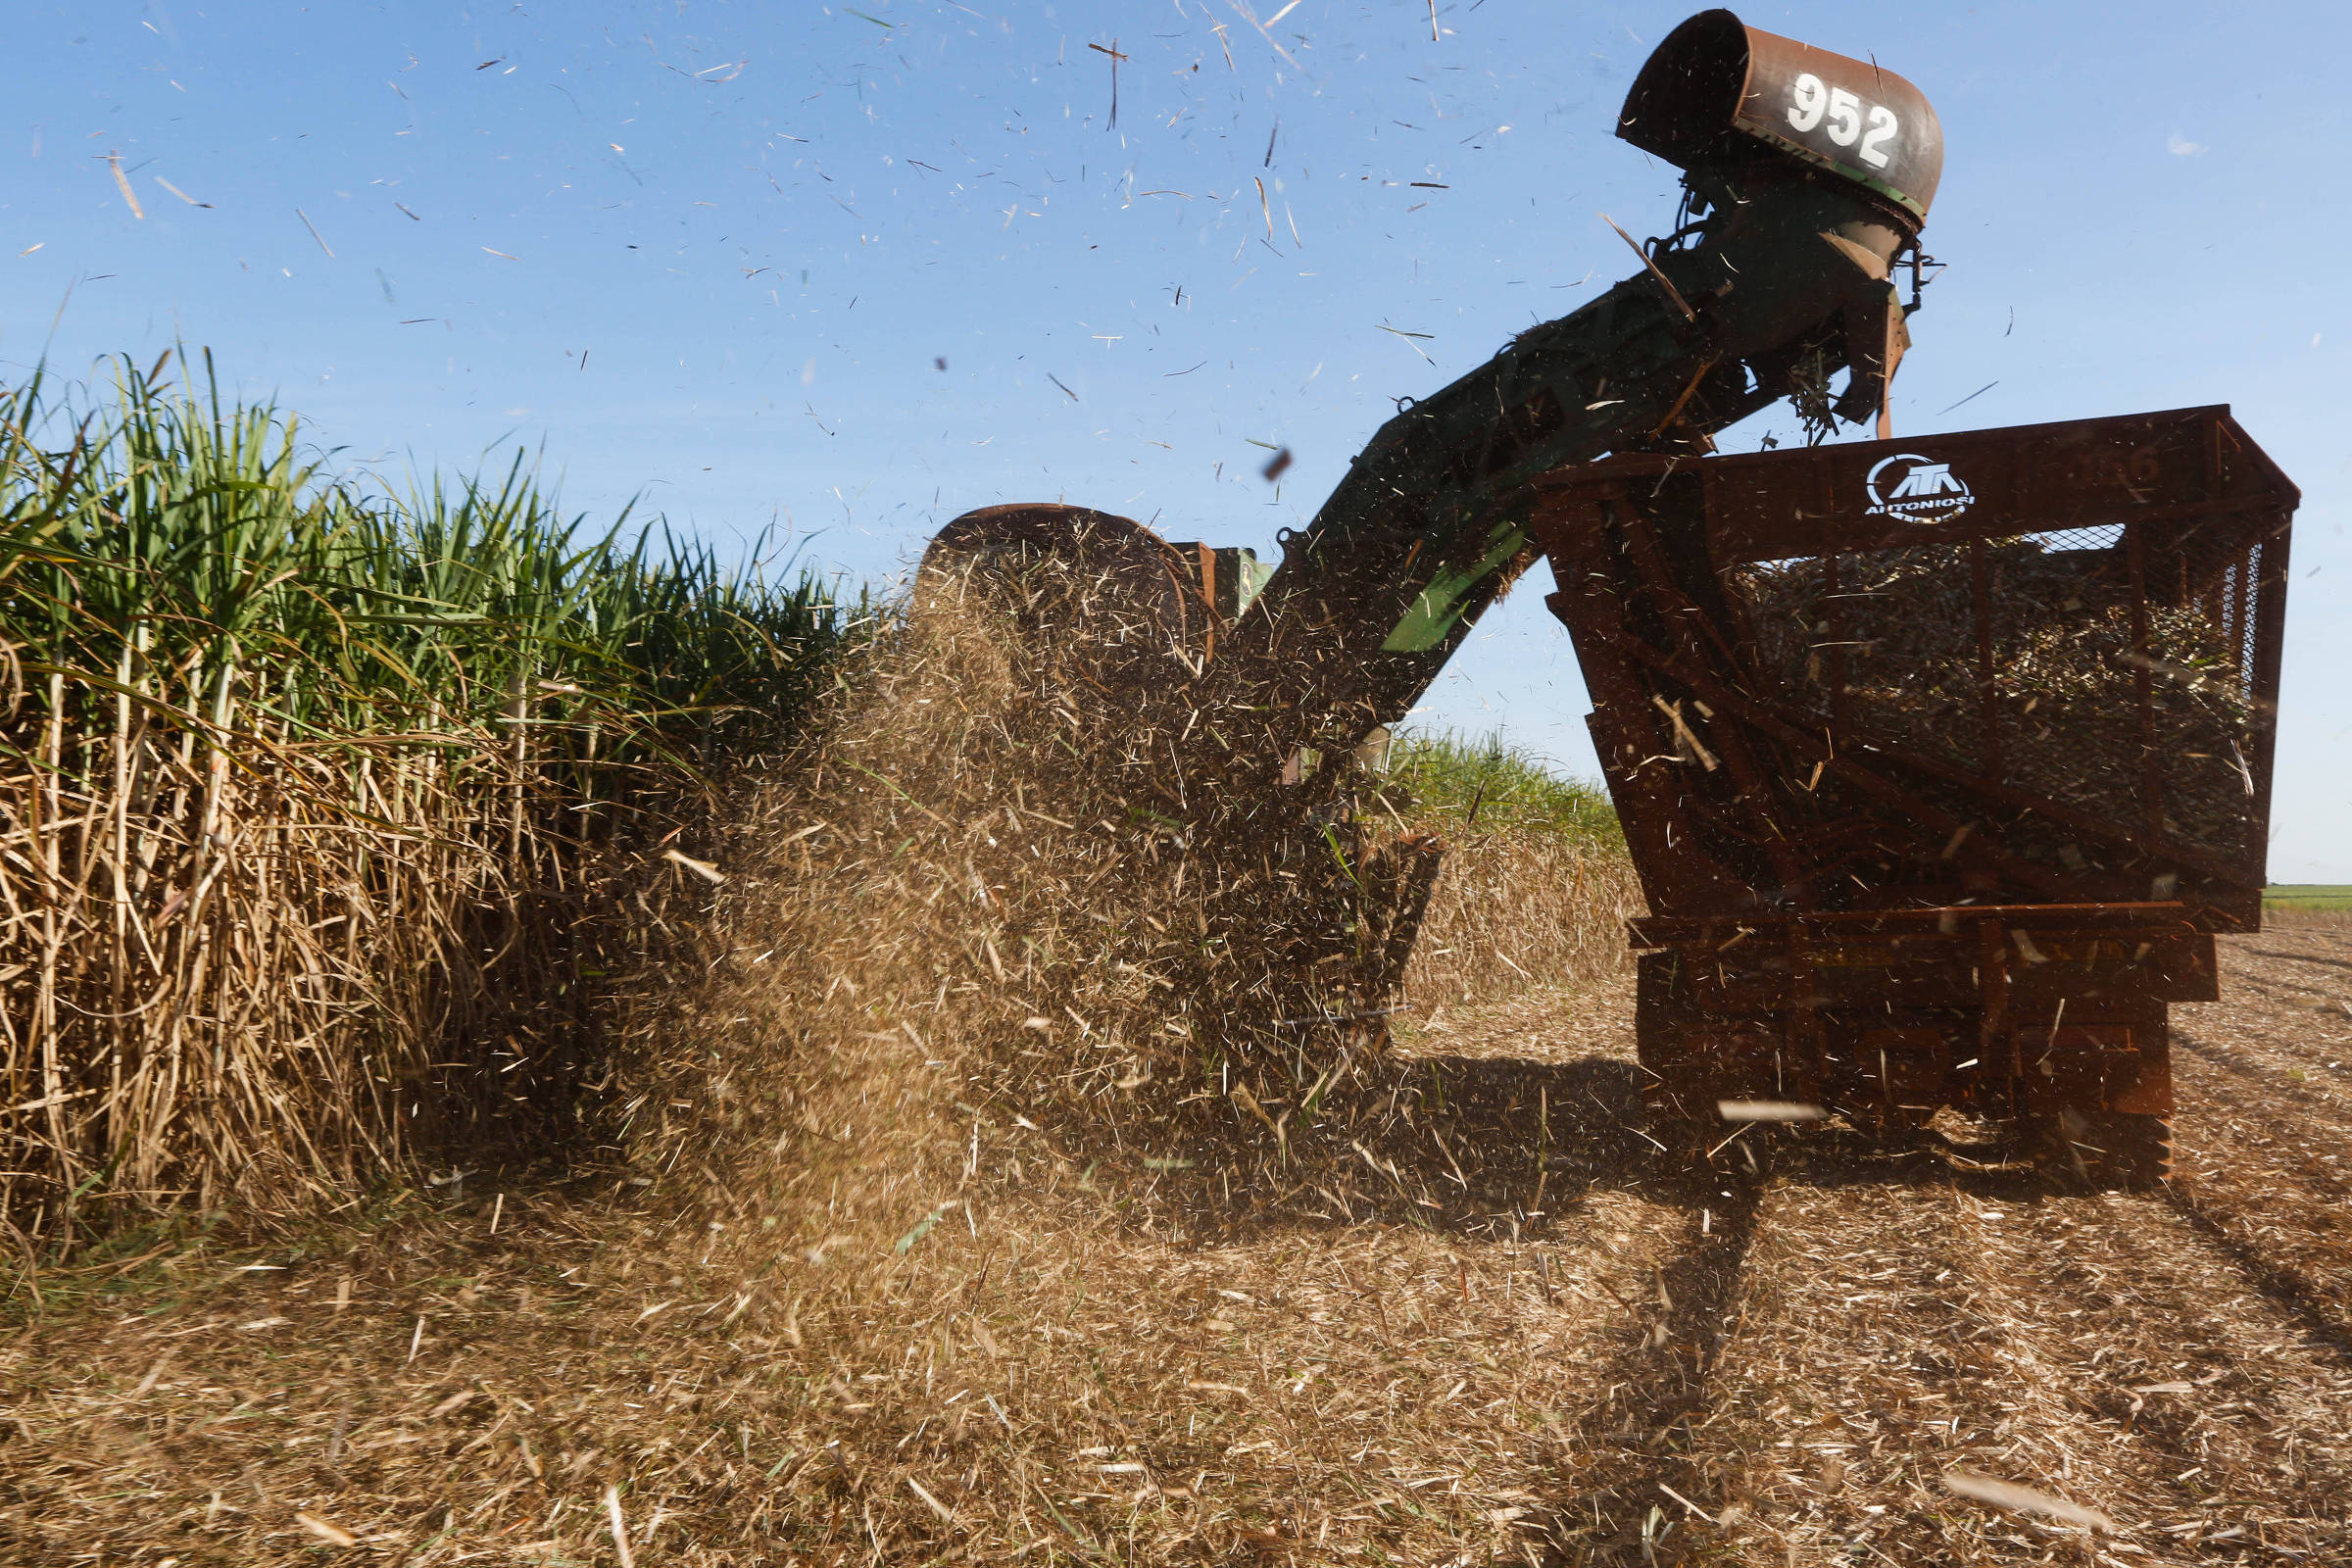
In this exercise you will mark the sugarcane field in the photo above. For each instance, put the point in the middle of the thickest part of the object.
(942, 784)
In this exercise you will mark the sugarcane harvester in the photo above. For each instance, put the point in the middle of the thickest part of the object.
(1941, 762)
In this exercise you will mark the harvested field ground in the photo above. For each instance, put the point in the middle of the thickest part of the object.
(1563, 1358)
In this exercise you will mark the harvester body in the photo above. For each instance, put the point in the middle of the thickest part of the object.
(1941, 761)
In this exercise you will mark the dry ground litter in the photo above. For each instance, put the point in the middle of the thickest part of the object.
(1759, 1372)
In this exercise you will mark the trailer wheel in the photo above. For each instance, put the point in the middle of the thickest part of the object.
(2111, 1148)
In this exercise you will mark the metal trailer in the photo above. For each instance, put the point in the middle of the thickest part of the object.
(1942, 759)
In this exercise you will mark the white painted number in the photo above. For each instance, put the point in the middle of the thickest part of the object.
(1810, 100)
(1845, 117)
(1881, 131)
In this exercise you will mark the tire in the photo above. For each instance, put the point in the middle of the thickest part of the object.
(2111, 1150)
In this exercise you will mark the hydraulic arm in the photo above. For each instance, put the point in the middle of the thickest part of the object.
(1808, 176)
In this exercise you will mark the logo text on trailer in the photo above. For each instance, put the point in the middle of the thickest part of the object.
(1915, 489)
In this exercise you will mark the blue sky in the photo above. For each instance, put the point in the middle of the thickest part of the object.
(713, 255)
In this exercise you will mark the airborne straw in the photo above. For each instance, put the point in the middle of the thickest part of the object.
(1767, 1110)
(2024, 1499)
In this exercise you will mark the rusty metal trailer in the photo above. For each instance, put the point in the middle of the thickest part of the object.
(1942, 761)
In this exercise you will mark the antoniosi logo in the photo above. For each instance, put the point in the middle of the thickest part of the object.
(1916, 489)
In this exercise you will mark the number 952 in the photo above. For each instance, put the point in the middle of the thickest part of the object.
(1851, 120)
